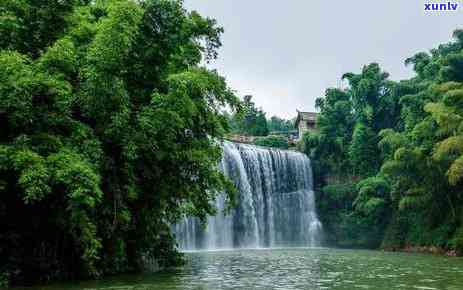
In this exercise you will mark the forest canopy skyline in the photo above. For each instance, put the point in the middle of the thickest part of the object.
(278, 53)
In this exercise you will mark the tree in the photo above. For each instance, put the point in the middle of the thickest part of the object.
(109, 133)
(280, 125)
(328, 147)
(363, 151)
(251, 120)
(401, 143)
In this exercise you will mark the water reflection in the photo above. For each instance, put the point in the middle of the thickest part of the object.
(295, 269)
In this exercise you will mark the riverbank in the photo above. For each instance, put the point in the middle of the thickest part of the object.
(351, 222)
(432, 250)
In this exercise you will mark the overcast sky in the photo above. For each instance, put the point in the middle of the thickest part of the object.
(286, 53)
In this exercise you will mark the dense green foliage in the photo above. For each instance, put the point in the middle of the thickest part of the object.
(392, 155)
(108, 129)
(249, 120)
(252, 121)
(272, 141)
(277, 124)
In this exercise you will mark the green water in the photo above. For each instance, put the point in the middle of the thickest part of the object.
(294, 269)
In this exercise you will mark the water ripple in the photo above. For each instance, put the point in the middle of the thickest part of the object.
(287, 269)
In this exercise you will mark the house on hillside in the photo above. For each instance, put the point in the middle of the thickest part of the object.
(305, 122)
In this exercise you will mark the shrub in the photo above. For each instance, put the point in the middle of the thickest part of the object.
(272, 141)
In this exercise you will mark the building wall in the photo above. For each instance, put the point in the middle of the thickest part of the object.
(306, 121)
(305, 126)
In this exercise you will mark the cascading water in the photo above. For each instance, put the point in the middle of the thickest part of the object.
(275, 203)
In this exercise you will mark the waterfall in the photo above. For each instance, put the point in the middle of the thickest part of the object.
(275, 203)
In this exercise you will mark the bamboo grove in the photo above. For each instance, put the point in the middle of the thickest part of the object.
(389, 155)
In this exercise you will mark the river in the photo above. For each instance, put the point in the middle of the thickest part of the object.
(285, 269)
(276, 208)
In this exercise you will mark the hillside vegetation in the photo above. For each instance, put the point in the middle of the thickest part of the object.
(108, 129)
(389, 155)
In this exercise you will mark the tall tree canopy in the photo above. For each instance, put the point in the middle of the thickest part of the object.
(277, 124)
(108, 133)
(249, 120)
(395, 150)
